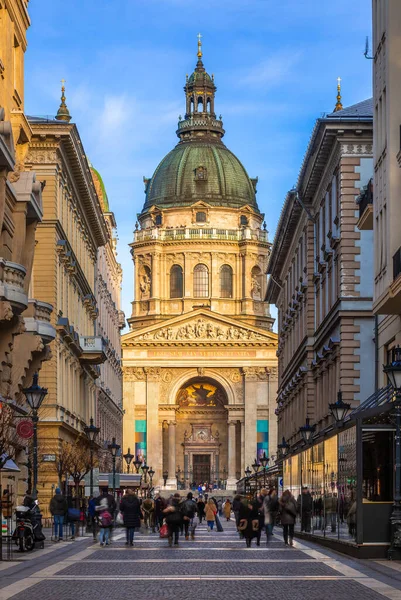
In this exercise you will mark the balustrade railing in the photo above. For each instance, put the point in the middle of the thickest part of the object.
(190, 233)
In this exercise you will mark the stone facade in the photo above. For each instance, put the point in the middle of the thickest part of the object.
(320, 276)
(65, 272)
(200, 371)
(26, 327)
(384, 215)
(111, 319)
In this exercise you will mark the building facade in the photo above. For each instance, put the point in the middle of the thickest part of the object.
(65, 271)
(382, 211)
(110, 321)
(26, 329)
(320, 276)
(200, 371)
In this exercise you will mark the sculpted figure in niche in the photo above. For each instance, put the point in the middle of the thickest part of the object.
(145, 283)
(256, 288)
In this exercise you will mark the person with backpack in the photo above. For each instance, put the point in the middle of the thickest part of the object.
(189, 509)
(130, 508)
(173, 517)
(288, 511)
(105, 522)
(58, 509)
(201, 509)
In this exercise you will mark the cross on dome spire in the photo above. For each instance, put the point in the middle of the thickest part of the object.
(338, 105)
(199, 45)
(63, 114)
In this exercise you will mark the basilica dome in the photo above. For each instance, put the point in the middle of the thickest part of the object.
(200, 171)
(200, 167)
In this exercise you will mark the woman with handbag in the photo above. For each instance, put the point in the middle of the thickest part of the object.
(211, 512)
(130, 508)
(288, 512)
(249, 522)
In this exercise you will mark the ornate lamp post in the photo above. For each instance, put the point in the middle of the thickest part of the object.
(151, 473)
(91, 433)
(165, 477)
(35, 396)
(145, 470)
(128, 459)
(283, 448)
(393, 372)
(256, 467)
(114, 448)
(137, 464)
(339, 409)
(247, 475)
(307, 431)
(264, 461)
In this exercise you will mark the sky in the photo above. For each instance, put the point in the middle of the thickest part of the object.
(275, 63)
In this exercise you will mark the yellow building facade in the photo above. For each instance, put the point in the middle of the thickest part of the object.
(199, 362)
(26, 329)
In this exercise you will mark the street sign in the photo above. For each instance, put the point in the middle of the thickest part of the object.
(25, 429)
(49, 458)
(280, 482)
(117, 479)
(87, 482)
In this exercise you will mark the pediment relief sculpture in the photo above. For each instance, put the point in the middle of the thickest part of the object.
(202, 329)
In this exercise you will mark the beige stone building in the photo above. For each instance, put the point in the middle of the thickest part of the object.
(382, 212)
(65, 271)
(25, 316)
(321, 275)
(110, 321)
(200, 367)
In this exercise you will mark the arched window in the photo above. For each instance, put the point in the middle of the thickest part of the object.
(201, 281)
(158, 220)
(200, 104)
(226, 282)
(176, 282)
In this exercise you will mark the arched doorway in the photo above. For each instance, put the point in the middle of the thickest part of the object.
(201, 419)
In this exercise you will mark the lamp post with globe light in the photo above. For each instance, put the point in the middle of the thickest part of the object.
(35, 396)
(91, 433)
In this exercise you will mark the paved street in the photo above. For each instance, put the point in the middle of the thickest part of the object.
(215, 566)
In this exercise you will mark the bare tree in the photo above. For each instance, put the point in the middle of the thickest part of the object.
(10, 442)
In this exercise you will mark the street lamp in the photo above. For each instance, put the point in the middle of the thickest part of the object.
(35, 396)
(91, 433)
(283, 447)
(165, 477)
(128, 458)
(339, 409)
(145, 470)
(264, 461)
(137, 464)
(114, 448)
(307, 431)
(393, 372)
(151, 473)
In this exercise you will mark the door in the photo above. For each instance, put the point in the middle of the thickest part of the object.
(201, 468)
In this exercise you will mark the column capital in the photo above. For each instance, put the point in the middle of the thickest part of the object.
(172, 423)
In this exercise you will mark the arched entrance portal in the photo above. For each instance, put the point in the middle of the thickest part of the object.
(201, 419)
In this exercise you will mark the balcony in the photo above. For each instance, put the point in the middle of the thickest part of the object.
(12, 277)
(93, 349)
(37, 320)
(200, 233)
(365, 203)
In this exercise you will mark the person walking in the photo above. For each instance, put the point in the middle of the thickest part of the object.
(236, 508)
(189, 509)
(160, 505)
(201, 509)
(105, 521)
(130, 508)
(288, 511)
(227, 509)
(219, 505)
(173, 519)
(249, 521)
(92, 515)
(73, 514)
(270, 510)
(148, 508)
(211, 512)
(305, 508)
(58, 509)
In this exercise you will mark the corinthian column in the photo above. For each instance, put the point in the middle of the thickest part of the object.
(172, 480)
(232, 479)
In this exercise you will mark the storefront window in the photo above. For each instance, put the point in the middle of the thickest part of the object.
(377, 457)
(347, 484)
(317, 488)
(330, 501)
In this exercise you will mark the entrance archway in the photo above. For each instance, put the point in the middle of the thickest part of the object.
(202, 433)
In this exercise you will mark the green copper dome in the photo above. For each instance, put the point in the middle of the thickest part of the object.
(200, 167)
(176, 181)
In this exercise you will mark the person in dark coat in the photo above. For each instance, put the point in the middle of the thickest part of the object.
(58, 509)
(249, 521)
(288, 511)
(160, 505)
(174, 520)
(130, 509)
(305, 508)
(201, 509)
(236, 508)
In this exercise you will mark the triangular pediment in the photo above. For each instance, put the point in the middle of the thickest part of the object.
(200, 204)
(200, 327)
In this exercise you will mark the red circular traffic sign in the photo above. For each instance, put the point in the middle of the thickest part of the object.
(25, 429)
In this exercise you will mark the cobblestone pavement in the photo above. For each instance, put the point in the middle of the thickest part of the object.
(216, 566)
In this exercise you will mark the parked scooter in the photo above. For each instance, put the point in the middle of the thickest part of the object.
(28, 527)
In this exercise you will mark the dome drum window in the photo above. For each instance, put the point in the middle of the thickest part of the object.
(244, 221)
(176, 282)
(201, 217)
(158, 220)
(200, 174)
(201, 281)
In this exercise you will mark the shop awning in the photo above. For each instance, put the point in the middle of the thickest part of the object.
(9, 466)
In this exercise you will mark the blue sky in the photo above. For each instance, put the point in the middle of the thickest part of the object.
(275, 66)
